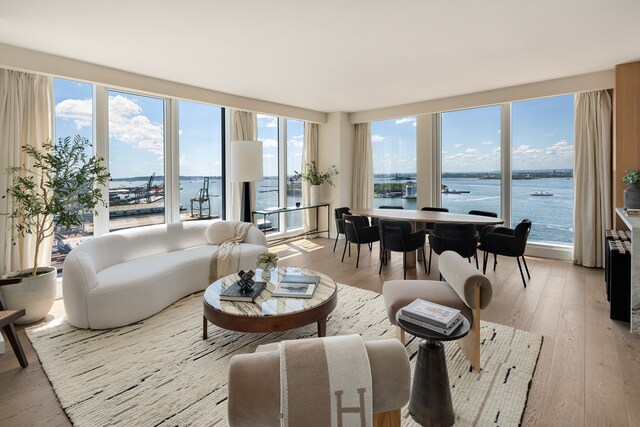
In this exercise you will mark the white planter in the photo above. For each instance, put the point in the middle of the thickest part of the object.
(35, 294)
(314, 196)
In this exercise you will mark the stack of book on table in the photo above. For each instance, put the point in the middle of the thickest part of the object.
(432, 316)
(296, 286)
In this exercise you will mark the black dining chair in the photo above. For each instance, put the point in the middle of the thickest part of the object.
(460, 238)
(508, 242)
(397, 236)
(338, 212)
(374, 221)
(428, 226)
(358, 231)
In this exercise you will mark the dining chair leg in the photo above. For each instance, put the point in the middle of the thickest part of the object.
(476, 257)
(380, 269)
(521, 273)
(485, 256)
(525, 267)
(358, 258)
(495, 261)
(404, 264)
(430, 252)
(424, 259)
(370, 247)
(344, 251)
(336, 242)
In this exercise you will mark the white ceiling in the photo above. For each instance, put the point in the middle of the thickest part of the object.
(334, 55)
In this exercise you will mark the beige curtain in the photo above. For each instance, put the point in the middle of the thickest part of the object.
(592, 172)
(26, 117)
(244, 127)
(309, 154)
(362, 167)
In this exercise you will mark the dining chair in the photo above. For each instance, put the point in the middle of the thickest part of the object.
(7, 317)
(397, 236)
(460, 238)
(338, 212)
(374, 221)
(480, 227)
(428, 226)
(508, 242)
(358, 231)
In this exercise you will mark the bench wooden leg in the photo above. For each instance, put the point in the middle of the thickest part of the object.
(12, 337)
(400, 334)
(470, 345)
(387, 419)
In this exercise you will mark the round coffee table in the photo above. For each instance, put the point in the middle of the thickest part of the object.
(430, 402)
(268, 313)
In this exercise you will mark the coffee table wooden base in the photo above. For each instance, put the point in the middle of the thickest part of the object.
(322, 328)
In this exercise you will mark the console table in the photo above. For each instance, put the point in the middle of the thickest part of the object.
(278, 210)
(633, 222)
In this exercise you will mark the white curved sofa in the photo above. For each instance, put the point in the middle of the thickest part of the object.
(129, 275)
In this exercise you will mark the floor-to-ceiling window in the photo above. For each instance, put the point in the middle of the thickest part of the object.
(200, 134)
(267, 190)
(471, 171)
(295, 140)
(542, 135)
(73, 116)
(136, 160)
(393, 145)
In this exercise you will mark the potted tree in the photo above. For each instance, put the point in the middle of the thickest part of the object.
(316, 178)
(63, 183)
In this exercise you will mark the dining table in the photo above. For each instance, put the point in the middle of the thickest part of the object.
(419, 216)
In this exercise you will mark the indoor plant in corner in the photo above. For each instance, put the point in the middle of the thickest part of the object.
(316, 178)
(63, 183)
(632, 192)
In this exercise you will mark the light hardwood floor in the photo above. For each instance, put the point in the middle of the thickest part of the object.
(588, 372)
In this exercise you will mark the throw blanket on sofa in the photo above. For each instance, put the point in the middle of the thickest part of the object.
(325, 382)
(227, 259)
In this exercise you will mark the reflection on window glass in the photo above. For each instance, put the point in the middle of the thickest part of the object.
(542, 135)
(471, 160)
(394, 162)
(136, 160)
(200, 161)
(73, 116)
(267, 193)
(295, 139)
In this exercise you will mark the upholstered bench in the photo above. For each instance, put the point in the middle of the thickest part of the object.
(465, 288)
(254, 385)
(126, 276)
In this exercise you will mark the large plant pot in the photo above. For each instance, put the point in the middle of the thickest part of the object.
(314, 197)
(35, 294)
(632, 196)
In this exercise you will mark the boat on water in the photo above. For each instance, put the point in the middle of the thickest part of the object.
(541, 194)
(447, 191)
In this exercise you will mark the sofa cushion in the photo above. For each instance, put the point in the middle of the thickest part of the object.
(220, 232)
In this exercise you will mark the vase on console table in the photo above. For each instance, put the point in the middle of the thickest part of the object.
(314, 195)
(632, 196)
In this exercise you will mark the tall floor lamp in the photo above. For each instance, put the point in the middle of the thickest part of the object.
(246, 167)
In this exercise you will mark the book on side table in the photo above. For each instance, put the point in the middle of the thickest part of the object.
(436, 317)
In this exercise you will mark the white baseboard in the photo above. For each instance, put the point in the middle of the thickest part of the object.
(546, 250)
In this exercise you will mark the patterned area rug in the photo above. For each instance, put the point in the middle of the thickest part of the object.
(159, 372)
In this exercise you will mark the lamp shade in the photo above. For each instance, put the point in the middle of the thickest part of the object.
(246, 161)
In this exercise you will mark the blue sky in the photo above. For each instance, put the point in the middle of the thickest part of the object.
(542, 135)
(541, 132)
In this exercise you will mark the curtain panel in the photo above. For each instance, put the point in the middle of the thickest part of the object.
(26, 117)
(592, 171)
(244, 127)
(309, 154)
(362, 167)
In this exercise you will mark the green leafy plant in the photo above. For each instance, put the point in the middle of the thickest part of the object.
(267, 258)
(314, 176)
(631, 177)
(63, 183)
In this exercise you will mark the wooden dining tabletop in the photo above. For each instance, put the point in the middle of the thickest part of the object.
(428, 216)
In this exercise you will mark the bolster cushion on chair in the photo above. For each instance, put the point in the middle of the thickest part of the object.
(254, 382)
(464, 278)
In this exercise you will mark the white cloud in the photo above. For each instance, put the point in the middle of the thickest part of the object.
(487, 142)
(129, 125)
(78, 110)
(471, 151)
(377, 138)
(269, 143)
(458, 145)
(404, 120)
(268, 156)
(267, 121)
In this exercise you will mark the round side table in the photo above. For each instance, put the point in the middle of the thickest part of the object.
(430, 403)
